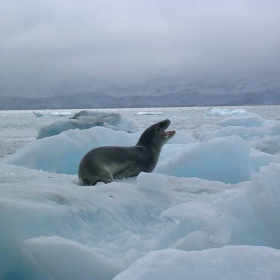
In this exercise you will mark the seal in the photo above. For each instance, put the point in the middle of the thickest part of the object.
(104, 164)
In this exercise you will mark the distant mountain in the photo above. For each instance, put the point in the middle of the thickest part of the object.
(181, 97)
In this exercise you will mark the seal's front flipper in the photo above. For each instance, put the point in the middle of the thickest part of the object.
(129, 172)
(103, 176)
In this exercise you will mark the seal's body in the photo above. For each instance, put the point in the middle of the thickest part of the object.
(103, 164)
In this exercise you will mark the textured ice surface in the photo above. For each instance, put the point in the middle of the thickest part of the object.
(52, 228)
(212, 213)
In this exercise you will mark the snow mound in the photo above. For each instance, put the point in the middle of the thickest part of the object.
(153, 182)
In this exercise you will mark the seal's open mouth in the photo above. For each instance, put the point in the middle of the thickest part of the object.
(165, 133)
(168, 134)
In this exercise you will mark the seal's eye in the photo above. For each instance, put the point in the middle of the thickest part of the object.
(158, 129)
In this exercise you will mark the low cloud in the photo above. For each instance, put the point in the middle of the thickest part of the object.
(45, 43)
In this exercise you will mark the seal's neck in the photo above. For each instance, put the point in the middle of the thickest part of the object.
(144, 140)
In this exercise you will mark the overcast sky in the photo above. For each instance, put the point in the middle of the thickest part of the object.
(44, 43)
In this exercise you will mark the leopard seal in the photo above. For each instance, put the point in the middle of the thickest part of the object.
(104, 164)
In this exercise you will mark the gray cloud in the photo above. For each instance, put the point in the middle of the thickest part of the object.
(44, 43)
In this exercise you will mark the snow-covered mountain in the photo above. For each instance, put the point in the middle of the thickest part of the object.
(157, 93)
(103, 100)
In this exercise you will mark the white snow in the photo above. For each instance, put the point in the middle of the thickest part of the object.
(210, 209)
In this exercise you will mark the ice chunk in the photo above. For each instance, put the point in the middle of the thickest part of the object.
(223, 111)
(270, 145)
(66, 259)
(192, 212)
(38, 114)
(60, 114)
(190, 217)
(148, 113)
(264, 194)
(150, 181)
(246, 133)
(52, 114)
(230, 262)
(225, 159)
(196, 240)
(62, 153)
(258, 159)
(85, 120)
(247, 120)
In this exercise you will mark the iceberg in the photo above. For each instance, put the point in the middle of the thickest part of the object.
(38, 114)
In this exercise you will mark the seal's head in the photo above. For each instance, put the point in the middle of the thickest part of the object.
(156, 135)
